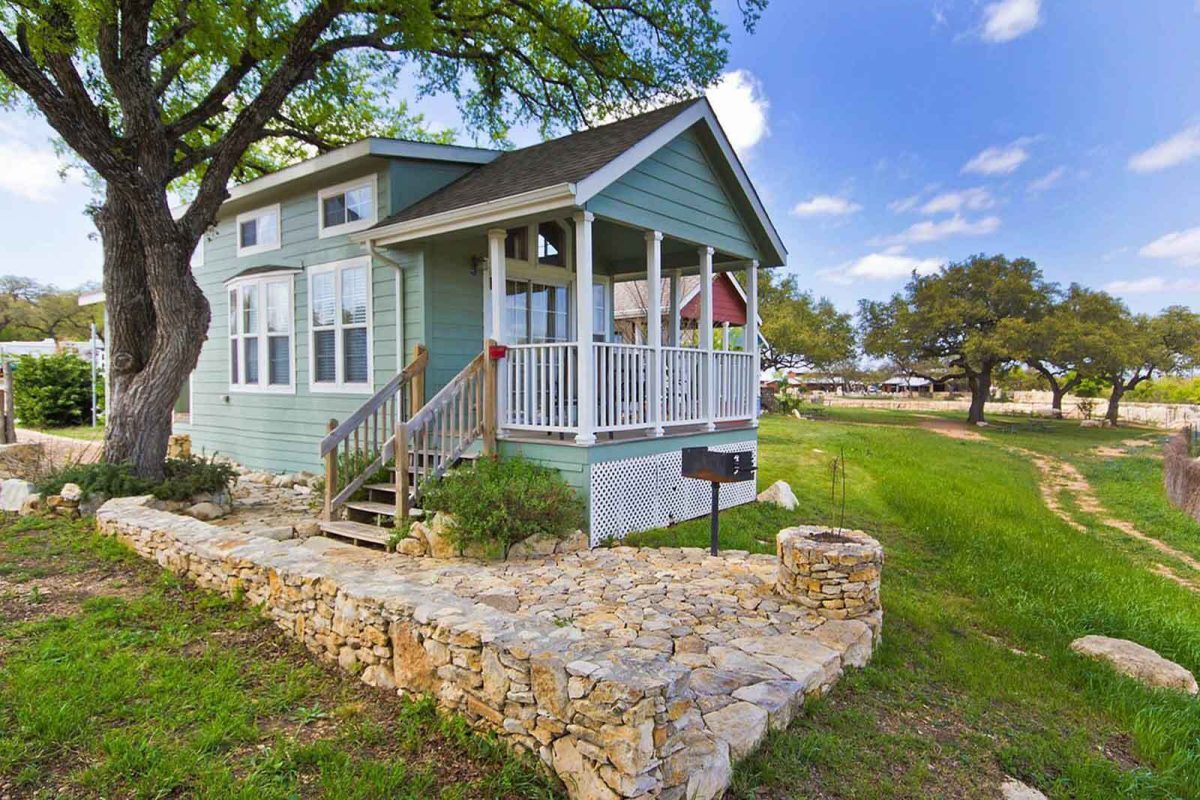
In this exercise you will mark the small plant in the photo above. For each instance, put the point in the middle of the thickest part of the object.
(502, 502)
(306, 715)
(183, 478)
(837, 491)
(1086, 406)
(399, 534)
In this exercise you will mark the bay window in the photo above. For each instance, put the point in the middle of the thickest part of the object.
(261, 344)
(340, 331)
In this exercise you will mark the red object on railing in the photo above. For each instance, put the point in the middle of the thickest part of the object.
(497, 352)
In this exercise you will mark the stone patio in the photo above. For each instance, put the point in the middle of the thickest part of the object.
(630, 672)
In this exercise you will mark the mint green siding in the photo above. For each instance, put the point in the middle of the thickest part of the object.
(678, 190)
(453, 307)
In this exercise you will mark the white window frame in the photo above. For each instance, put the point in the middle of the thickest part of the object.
(372, 183)
(259, 284)
(258, 248)
(339, 386)
(198, 253)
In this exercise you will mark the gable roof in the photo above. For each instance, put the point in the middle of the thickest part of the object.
(568, 159)
(569, 171)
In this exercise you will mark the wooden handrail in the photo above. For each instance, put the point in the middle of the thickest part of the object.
(411, 375)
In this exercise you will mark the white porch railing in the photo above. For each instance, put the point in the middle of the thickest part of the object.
(683, 386)
(622, 386)
(737, 385)
(540, 387)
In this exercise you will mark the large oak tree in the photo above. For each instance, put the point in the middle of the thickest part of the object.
(967, 317)
(802, 332)
(156, 96)
(1144, 346)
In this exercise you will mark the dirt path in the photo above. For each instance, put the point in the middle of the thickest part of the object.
(1059, 477)
(62, 451)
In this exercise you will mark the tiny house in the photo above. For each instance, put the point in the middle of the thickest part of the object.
(409, 305)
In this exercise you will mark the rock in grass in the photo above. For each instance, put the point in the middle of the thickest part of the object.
(1138, 662)
(1013, 789)
(13, 493)
(780, 494)
(71, 493)
(205, 511)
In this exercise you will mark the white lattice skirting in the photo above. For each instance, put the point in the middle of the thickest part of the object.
(637, 494)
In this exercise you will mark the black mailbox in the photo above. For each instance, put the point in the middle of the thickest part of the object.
(709, 465)
(717, 468)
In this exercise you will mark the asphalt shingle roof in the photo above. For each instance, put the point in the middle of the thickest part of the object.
(568, 159)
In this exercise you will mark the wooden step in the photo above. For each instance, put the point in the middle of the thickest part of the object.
(381, 487)
(372, 507)
(357, 532)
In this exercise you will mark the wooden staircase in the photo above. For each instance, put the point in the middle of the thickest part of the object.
(362, 507)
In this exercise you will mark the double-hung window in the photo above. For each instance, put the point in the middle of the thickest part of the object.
(258, 231)
(339, 323)
(261, 342)
(347, 207)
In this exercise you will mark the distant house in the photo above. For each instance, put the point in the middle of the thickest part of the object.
(681, 300)
(46, 347)
(912, 384)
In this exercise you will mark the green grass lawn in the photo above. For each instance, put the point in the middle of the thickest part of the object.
(983, 590)
(84, 432)
(117, 680)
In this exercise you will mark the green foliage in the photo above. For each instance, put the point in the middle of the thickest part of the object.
(801, 331)
(1169, 389)
(54, 390)
(497, 503)
(183, 478)
(30, 310)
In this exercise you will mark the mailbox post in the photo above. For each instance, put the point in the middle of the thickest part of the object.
(717, 468)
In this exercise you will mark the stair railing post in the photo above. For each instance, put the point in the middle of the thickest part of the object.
(417, 390)
(400, 450)
(490, 403)
(331, 475)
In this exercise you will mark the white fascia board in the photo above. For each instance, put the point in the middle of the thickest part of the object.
(537, 201)
(599, 180)
(387, 148)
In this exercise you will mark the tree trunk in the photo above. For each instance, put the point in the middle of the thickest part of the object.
(1114, 402)
(158, 320)
(981, 386)
(1056, 397)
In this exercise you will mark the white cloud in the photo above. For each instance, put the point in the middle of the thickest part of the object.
(825, 205)
(936, 230)
(1182, 247)
(975, 199)
(1047, 181)
(741, 106)
(1152, 284)
(1006, 20)
(889, 264)
(1183, 146)
(905, 204)
(30, 172)
(1002, 160)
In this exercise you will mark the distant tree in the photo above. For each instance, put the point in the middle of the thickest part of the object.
(968, 316)
(30, 310)
(802, 332)
(155, 96)
(1146, 346)
(1070, 344)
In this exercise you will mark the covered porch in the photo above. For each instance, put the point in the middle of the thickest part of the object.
(550, 279)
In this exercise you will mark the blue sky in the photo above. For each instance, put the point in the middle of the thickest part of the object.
(887, 136)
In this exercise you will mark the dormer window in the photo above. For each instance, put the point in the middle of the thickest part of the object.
(258, 231)
(552, 244)
(516, 244)
(347, 207)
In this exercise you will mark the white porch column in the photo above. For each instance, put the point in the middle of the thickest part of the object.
(725, 335)
(706, 337)
(673, 313)
(654, 326)
(751, 342)
(585, 372)
(496, 238)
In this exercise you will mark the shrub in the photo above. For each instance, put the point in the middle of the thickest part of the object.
(498, 503)
(54, 391)
(183, 479)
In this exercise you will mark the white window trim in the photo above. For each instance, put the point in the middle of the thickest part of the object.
(263, 386)
(323, 231)
(339, 386)
(258, 248)
(198, 253)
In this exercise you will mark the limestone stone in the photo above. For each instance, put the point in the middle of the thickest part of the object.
(71, 493)
(440, 545)
(495, 679)
(1138, 662)
(581, 775)
(575, 543)
(548, 679)
(205, 511)
(1013, 789)
(31, 505)
(779, 494)
(411, 663)
(278, 533)
(778, 698)
(741, 725)
(411, 546)
(308, 527)
(502, 598)
(14, 492)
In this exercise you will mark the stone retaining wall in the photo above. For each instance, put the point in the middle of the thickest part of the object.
(1181, 474)
(836, 574)
(1166, 415)
(610, 722)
